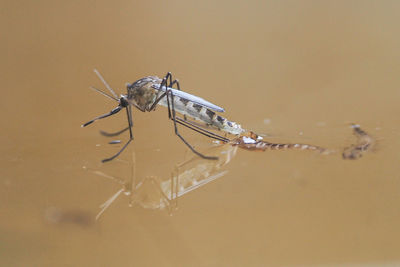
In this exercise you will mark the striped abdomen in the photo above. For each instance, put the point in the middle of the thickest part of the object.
(254, 142)
(206, 115)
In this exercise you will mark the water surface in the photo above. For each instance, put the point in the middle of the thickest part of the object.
(297, 72)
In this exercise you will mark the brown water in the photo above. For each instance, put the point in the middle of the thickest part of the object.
(299, 71)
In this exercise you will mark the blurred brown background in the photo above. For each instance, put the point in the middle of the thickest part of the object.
(299, 71)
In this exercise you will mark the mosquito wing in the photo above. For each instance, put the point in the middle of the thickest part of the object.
(190, 97)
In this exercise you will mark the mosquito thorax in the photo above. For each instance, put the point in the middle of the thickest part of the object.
(141, 94)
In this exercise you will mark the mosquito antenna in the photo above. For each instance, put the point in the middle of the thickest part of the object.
(103, 93)
(105, 83)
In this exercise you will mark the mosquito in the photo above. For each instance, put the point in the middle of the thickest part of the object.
(146, 93)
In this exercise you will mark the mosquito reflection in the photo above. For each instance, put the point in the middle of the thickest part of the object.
(153, 192)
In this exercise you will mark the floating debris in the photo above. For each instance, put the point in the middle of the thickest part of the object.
(364, 143)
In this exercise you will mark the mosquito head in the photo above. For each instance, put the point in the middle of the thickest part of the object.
(123, 101)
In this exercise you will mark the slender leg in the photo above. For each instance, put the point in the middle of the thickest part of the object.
(201, 130)
(186, 123)
(108, 134)
(131, 119)
(115, 133)
(167, 77)
(129, 115)
(172, 116)
(172, 83)
(179, 88)
(163, 83)
(112, 112)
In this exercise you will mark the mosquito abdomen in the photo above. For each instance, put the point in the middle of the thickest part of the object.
(205, 115)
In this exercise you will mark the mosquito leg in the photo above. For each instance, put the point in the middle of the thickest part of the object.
(130, 117)
(108, 134)
(113, 134)
(177, 84)
(172, 83)
(186, 123)
(179, 88)
(201, 130)
(112, 112)
(163, 83)
(167, 77)
(171, 112)
(191, 126)
(129, 114)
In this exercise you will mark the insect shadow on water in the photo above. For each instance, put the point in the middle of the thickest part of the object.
(147, 92)
(162, 193)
